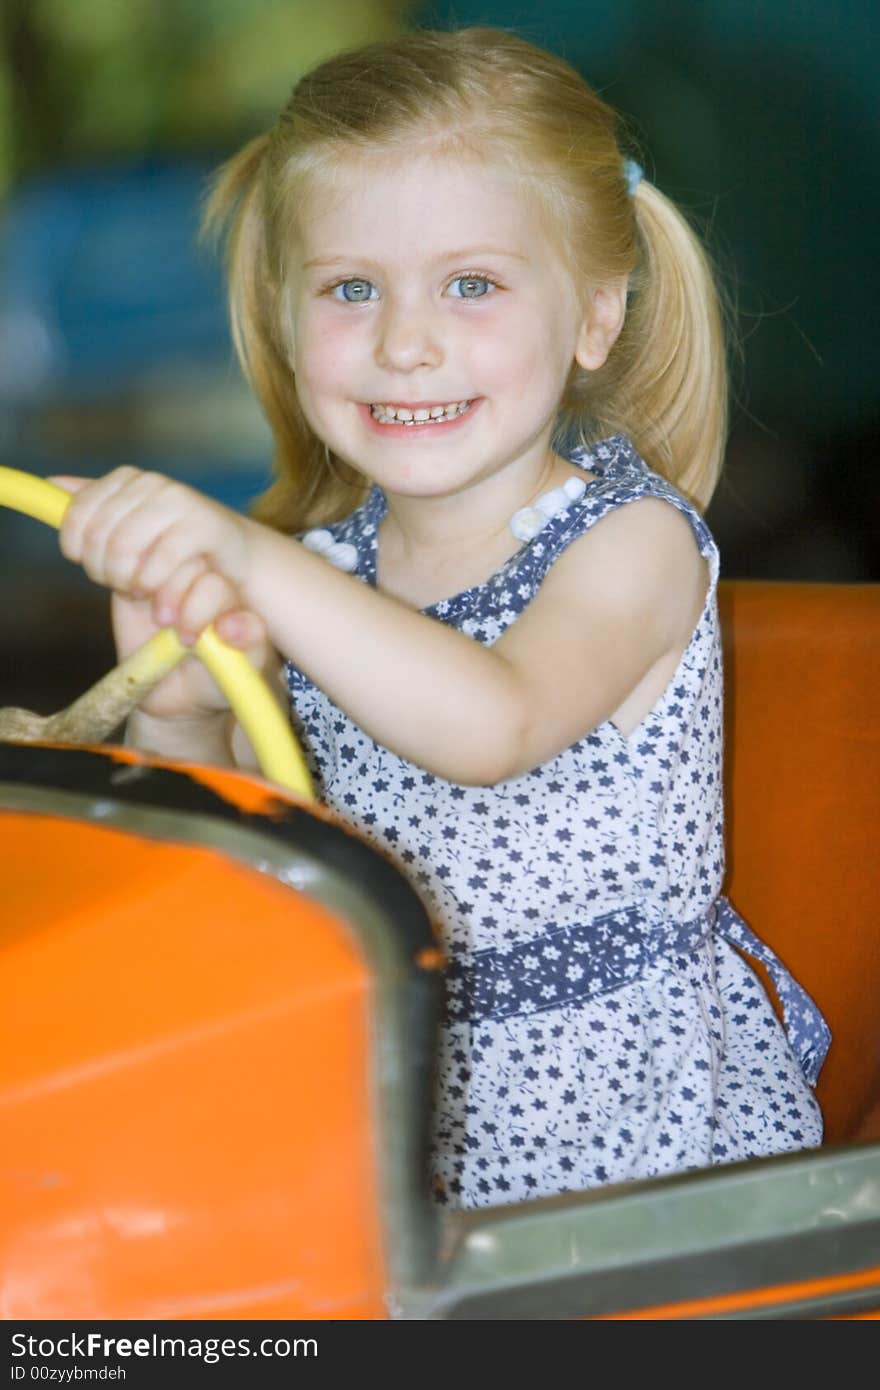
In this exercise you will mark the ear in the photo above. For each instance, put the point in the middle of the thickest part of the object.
(602, 322)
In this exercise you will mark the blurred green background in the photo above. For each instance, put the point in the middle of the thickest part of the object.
(760, 119)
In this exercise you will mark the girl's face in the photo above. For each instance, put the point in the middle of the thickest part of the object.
(430, 287)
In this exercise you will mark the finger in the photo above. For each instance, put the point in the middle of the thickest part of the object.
(88, 496)
(196, 525)
(70, 484)
(208, 599)
(92, 520)
(170, 603)
(244, 630)
(176, 542)
(132, 621)
(131, 526)
(125, 528)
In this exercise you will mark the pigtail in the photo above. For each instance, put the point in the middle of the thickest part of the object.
(665, 383)
(310, 487)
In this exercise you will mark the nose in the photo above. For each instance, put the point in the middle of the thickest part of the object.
(408, 337)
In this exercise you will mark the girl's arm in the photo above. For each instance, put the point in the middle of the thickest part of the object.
(618, 603)
(621, 600)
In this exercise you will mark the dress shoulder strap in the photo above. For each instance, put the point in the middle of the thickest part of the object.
(622, 476)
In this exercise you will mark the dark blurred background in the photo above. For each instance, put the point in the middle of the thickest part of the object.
(759, 119)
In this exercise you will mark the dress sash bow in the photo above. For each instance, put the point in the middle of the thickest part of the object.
(569, 964)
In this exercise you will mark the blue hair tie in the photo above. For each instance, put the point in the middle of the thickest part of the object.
(633, 173)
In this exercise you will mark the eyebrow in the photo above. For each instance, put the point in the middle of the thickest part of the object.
(467, 253)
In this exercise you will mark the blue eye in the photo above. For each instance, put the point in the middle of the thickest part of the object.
(472, 286)
(354, 291)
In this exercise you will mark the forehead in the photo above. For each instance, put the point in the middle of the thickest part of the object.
(419, 207)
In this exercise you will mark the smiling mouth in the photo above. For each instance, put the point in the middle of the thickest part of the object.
(418, 415)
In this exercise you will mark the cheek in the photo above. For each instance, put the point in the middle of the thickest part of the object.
(547, 351)
(326, 360)
(492, 347)
(518, 356)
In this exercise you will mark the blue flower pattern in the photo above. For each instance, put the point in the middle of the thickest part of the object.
(599, 1026)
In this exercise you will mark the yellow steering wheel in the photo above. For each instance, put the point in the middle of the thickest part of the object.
(250, 699)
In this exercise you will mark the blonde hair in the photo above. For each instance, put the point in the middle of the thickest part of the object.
(482, 94)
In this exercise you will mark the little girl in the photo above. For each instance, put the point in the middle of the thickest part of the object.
(491, 354)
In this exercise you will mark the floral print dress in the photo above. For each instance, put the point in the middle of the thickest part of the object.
(599, 1024)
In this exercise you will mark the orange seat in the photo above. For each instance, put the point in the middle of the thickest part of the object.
(802, 744)
(214, 1005)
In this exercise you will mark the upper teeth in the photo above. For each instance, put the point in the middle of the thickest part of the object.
(386, 414)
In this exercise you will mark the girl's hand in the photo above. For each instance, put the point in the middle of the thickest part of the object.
(189, 692)
(187, 715)
(129, 530)
(148, 537)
